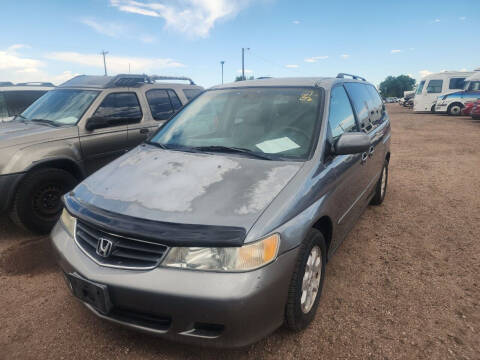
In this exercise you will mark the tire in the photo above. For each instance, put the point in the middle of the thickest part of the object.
(299, 315)
(381, 187)
(432, 109)
(455, 109)
(37, 203)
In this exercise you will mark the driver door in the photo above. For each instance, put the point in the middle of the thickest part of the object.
(101, 146)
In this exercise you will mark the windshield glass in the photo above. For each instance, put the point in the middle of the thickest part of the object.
(420, 87)
(277, 121)
(65, 106)
(472, 86)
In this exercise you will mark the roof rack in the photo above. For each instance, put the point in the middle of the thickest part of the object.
(157, 77)
(132, 80)
(355, 77)
(35, 83)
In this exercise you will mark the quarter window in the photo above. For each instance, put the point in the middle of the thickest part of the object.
(435, 86)
(340, 117)
(191, 93)
(160, 104)
(120, 106)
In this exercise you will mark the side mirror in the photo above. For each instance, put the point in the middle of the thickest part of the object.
(352, 143)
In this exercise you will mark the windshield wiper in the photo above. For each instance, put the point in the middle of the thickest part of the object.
(232, 149)
(161, 146)
(172, 147)
(45, 121)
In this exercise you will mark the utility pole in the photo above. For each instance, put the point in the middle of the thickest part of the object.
(243, 62)
(222, 62)
(104, 62)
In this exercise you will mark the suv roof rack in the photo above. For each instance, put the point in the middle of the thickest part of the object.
(35, 83)
(6, 83)
(131, 80)
(355, 77)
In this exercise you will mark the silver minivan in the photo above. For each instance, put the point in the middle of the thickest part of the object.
(217, 230)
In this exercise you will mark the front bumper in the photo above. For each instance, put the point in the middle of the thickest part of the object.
(205, 308)
(8, 184)
(440, 108)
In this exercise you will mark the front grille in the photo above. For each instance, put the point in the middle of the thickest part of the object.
(151, 321)
(124, 253)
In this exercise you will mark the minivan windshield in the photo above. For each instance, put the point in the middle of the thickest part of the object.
(271, 123)
(61, 107)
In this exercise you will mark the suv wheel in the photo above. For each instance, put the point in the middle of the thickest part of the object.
(37, 204)
(454, 109)
(307, 282)
(381, 187)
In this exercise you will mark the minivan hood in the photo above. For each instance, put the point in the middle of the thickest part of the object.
(187, 188)
(20, 133)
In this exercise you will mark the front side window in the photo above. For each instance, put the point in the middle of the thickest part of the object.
(191, 93)
(120, 106)
(281, 122)
(456, 83)
(340, 117)
(420, 87)
(160, 104)
(62, 106)
(435, 86)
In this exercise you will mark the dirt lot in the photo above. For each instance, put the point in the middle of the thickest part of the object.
(405, 284)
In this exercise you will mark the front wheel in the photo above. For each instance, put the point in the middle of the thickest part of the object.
(37, 204)
(307, 282)
(381, 187)
(454, 109)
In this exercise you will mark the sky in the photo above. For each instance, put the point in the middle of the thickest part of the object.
(54, 40)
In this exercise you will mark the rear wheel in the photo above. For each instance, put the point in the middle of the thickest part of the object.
(455, 109)
(37, 204)
(307, 282)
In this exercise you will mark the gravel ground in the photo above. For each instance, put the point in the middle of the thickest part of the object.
(405, 284)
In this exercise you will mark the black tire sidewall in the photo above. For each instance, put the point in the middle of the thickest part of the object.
(296, 319)
(23, 208)
(378, 197)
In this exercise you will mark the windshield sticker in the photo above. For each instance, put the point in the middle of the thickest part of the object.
(277, 145)
(306, 96)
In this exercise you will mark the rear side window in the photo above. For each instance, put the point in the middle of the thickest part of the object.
(340, 117)
(456, 83)
(175, 100)
(120, 106)
(191, 93)
(435, 86)
(160, 104)
(17, 101)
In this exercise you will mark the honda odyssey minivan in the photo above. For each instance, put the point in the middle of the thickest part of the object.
(217, 229)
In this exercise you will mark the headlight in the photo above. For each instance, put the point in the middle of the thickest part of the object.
(247, 257)
(68, 222)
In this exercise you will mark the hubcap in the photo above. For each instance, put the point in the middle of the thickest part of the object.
(455, 110)
(46, 200)
(311, 279)
(384, 181)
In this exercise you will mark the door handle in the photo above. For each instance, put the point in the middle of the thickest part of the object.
(371, 151)
(364, 157)
(144, 131)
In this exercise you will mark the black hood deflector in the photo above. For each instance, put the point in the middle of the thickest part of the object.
(167, 233)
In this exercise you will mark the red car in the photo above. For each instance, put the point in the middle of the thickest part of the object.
(476, 110)
(468, 108)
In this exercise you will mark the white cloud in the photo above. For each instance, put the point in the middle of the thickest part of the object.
(296, 22)
(11, 60)
(116, 30)
(462, 18)
(116, 64)
(314, 59)
(395, 51)
(424, 73)
(292, 66)
(463, 69)
(345, 56)
(193, 17)
(247, 71)
(437, 20)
